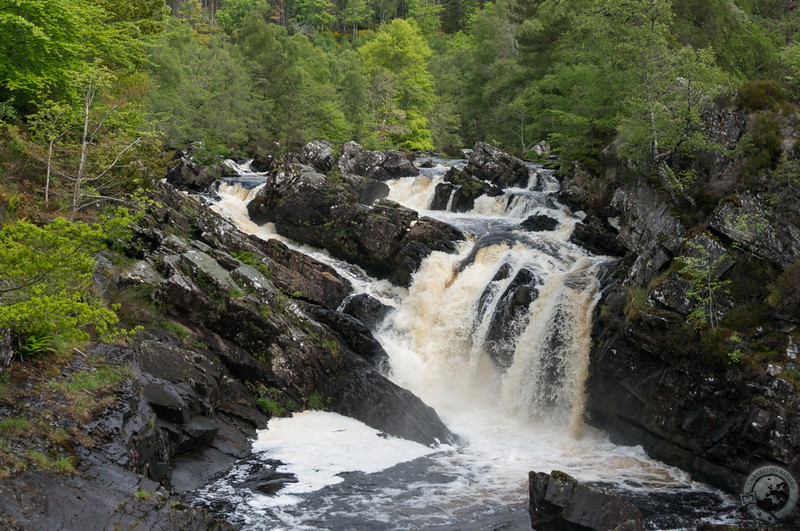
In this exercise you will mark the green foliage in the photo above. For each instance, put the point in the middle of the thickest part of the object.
(700, 269)
(15, 426)
(204, 93)
(314, 401)
(176, 329)
(270, 406)
(48, 44)
(45, 281)
(396, 61)
(234, 14)
(761, 95)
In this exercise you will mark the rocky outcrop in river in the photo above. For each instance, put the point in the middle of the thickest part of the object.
(328, 211)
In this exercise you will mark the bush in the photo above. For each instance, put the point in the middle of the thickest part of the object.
(761, 95)
(45, 280)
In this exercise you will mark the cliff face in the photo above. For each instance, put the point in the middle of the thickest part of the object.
(716, 399)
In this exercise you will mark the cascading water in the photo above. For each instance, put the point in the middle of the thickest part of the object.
(496, 338)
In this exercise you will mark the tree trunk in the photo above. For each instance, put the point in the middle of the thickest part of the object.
(6, 352)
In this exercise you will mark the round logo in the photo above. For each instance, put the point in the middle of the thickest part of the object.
(770, 494)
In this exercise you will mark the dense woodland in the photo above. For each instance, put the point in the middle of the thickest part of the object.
(95, 93)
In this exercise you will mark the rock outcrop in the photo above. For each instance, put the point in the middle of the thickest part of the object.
(558, 502)
(683, 395)
(386, 239)
(187, 174)
(271, 336)
(488, 171)
(380, 165)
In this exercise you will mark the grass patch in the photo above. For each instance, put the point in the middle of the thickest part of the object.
(176, 329)
(15, 426)
(83, 391)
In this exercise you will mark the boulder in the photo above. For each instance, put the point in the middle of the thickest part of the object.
(380, 165)
(386, 239)
(460, 189)
(597, 236)
(558, 502)
(318, 154)
(188, 175)
(487, 163)
(538, 223)
(367, 309)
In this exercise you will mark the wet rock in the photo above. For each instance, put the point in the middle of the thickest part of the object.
(460, 189)
(387, 240)
(538, 223)
(559, 502)
(318, 154)
(511, 316)
(380, 165)
(355, 334)
(188, 175)
(368, 309)
(372, 191)
(427, 163)
(487, 163)
(597, 236)
(101, 498)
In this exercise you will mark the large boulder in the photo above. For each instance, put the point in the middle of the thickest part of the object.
(386, 239)
(488, 171)
(381, 165)
(318, 154)
(487, 163)
(188, 175)
(558, 502)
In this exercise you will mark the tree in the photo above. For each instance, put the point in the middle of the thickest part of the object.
(701, 269)
(356, 13)
(203, 92)
(83, 144)
(234, 14)
(45, 280)
(396, 61)
(48, 44)
(667, 88)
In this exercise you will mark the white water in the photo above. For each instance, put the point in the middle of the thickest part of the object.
(528, 417)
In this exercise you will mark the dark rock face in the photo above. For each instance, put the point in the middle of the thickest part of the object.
(755, 226)
(510, 318)
(653, 381)
(387, 240)
(460, 189)
(539, 223)
(643, 390)
(380, 165)
(367, 309)
(597, 237)
(318, 154)
(559, 502)
(188, 175)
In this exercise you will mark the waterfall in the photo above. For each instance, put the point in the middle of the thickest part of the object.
(496, 338)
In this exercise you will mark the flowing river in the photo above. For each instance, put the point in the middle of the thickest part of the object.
(496, 338)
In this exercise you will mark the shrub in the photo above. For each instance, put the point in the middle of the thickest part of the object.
(761, 95)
